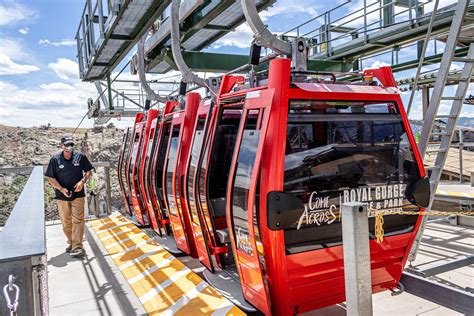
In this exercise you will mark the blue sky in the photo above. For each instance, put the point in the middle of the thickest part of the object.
(38, 70)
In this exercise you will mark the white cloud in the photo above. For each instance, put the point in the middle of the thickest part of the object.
(14, 49)
(57, 86)
(4, 86)
(241, 38)
(9, 67)
(64, 42)
(290, 7)
(61, 103)
(15, 12)
(377, 64)
(58, 103)
(24, 30)
(66, 69)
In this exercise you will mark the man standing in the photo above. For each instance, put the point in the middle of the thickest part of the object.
(66, 174)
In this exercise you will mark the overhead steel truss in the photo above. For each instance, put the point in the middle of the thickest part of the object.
(202, 23)
(107, 33)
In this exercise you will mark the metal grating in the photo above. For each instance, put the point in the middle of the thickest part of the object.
(199, 38)
(120, 28)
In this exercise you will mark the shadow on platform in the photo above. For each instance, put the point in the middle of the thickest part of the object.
(90, 285)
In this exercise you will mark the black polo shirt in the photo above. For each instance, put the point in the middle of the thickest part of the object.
(68, 173)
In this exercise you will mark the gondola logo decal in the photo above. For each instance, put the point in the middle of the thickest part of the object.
(243, 242)
(319, 211)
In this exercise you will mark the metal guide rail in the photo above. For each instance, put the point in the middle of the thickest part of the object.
(162, 283)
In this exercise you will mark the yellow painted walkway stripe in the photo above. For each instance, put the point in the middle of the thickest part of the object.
(163, 284)
(123, 231)
(454, 193)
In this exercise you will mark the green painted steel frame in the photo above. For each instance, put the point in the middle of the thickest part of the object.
(192, 25)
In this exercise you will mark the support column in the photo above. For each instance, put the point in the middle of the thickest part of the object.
(109, 92)
(425, 100)
(388, 12)
(357, 274)
(108, 195)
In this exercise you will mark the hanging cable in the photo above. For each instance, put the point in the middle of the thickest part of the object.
(102, 93)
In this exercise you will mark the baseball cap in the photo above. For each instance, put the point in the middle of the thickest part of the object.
(66, 140)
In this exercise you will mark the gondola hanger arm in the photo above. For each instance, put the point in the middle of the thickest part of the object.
(188, 75)
(150, 94)
(263, 36)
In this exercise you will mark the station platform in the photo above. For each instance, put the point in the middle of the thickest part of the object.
(456, 192)
(147, 278)
(125, 272)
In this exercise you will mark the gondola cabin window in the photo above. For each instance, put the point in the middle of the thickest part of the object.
(195, 149)
(150, 144)
(241, 185)
(133, 159)
(170, 169)
(339, 152)
(161, 155)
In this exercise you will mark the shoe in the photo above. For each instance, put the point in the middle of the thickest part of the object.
(68, 249)
(77, 252)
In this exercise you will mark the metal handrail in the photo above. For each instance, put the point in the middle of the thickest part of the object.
(412, 20)
(85, 35)
(316, 17)
(352, 17)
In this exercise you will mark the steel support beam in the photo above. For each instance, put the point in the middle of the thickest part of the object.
(444, 267)
(219, 62)
(465, 220)
(447, 296)
(388, 12)
(109, 93)
(425, 101)
(104, 99)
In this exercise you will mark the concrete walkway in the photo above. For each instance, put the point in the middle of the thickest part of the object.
(95, 286)
(91, 286)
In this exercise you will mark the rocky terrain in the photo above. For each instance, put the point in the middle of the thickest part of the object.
(34, 146)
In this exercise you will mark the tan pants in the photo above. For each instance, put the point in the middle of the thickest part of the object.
(72, 219)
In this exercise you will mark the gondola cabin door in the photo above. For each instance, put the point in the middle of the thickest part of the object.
(138, 203)
(157, 164)
(121, 170)
(179, 145)
(243, 198)
(145, 173)
(128, 157)
(137, 199)
(177, 224)
(200, 226)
